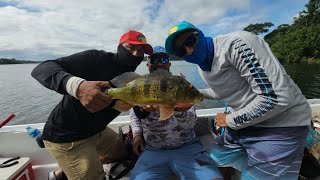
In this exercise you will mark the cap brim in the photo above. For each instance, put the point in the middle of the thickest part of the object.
(169, 42)
(147, 47)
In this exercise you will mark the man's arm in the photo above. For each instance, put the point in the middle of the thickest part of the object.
(136, 127)
(52, 75)
(135, 123)
(252, 57)
(67, 76)
(209, 94)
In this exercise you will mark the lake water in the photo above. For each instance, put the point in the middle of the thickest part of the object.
(32, 103)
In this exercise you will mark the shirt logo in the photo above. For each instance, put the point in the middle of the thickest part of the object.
(241, 119)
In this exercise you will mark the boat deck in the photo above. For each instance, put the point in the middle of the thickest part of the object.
(16, 142)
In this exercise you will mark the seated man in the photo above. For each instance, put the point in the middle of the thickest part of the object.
(171, 145)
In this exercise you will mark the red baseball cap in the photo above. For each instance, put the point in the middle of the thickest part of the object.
(135, 37)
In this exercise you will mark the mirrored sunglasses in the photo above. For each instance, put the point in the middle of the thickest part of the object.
(189, 42)
(163, 60)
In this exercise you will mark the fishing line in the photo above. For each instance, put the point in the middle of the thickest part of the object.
(211, 129)
(225, 111)
(221, 129)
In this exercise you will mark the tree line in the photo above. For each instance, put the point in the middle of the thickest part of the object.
(14, 61)
(296, 43)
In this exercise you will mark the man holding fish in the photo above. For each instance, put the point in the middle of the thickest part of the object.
(171, 145)
(265, 135)
(75, 133)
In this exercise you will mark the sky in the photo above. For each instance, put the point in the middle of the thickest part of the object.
(47, 29)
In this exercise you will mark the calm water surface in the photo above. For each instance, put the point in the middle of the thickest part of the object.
(32, 103)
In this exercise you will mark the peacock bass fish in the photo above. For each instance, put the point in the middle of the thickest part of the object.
(158, 88)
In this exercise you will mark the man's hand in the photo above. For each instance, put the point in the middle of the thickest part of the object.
(151, 108)
(91, 97)
(137, 146)
(182, 75)
(221, 119)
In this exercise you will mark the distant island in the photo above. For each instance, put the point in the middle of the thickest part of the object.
(14, 61)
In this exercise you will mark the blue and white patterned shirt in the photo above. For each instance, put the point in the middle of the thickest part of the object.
(168, 134)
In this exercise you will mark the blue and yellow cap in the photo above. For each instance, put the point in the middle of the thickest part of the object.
(174, 31)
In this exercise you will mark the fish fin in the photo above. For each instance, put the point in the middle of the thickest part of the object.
(165, 112)
(159, 73)
(124, 79)
(122, 106)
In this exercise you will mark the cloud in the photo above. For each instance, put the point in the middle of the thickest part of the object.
(39, 30)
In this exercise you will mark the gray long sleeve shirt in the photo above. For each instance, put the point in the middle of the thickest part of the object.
(247, 75)
(168, 134)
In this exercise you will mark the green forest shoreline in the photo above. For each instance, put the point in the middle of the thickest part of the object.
(14, 61)
(295, 43)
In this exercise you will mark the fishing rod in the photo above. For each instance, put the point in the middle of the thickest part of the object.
(211, 129)
(220, 133)
(9, 118)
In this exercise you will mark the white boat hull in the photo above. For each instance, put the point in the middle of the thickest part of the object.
(14, 141)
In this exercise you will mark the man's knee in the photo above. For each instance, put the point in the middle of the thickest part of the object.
(110, 147)
(79, 160)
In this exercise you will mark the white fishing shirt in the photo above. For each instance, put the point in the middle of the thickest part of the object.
(247, 75)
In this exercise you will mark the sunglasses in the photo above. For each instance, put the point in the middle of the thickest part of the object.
(189, 42)
(163, 60)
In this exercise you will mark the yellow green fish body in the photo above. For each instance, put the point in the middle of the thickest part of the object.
(159, 88)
